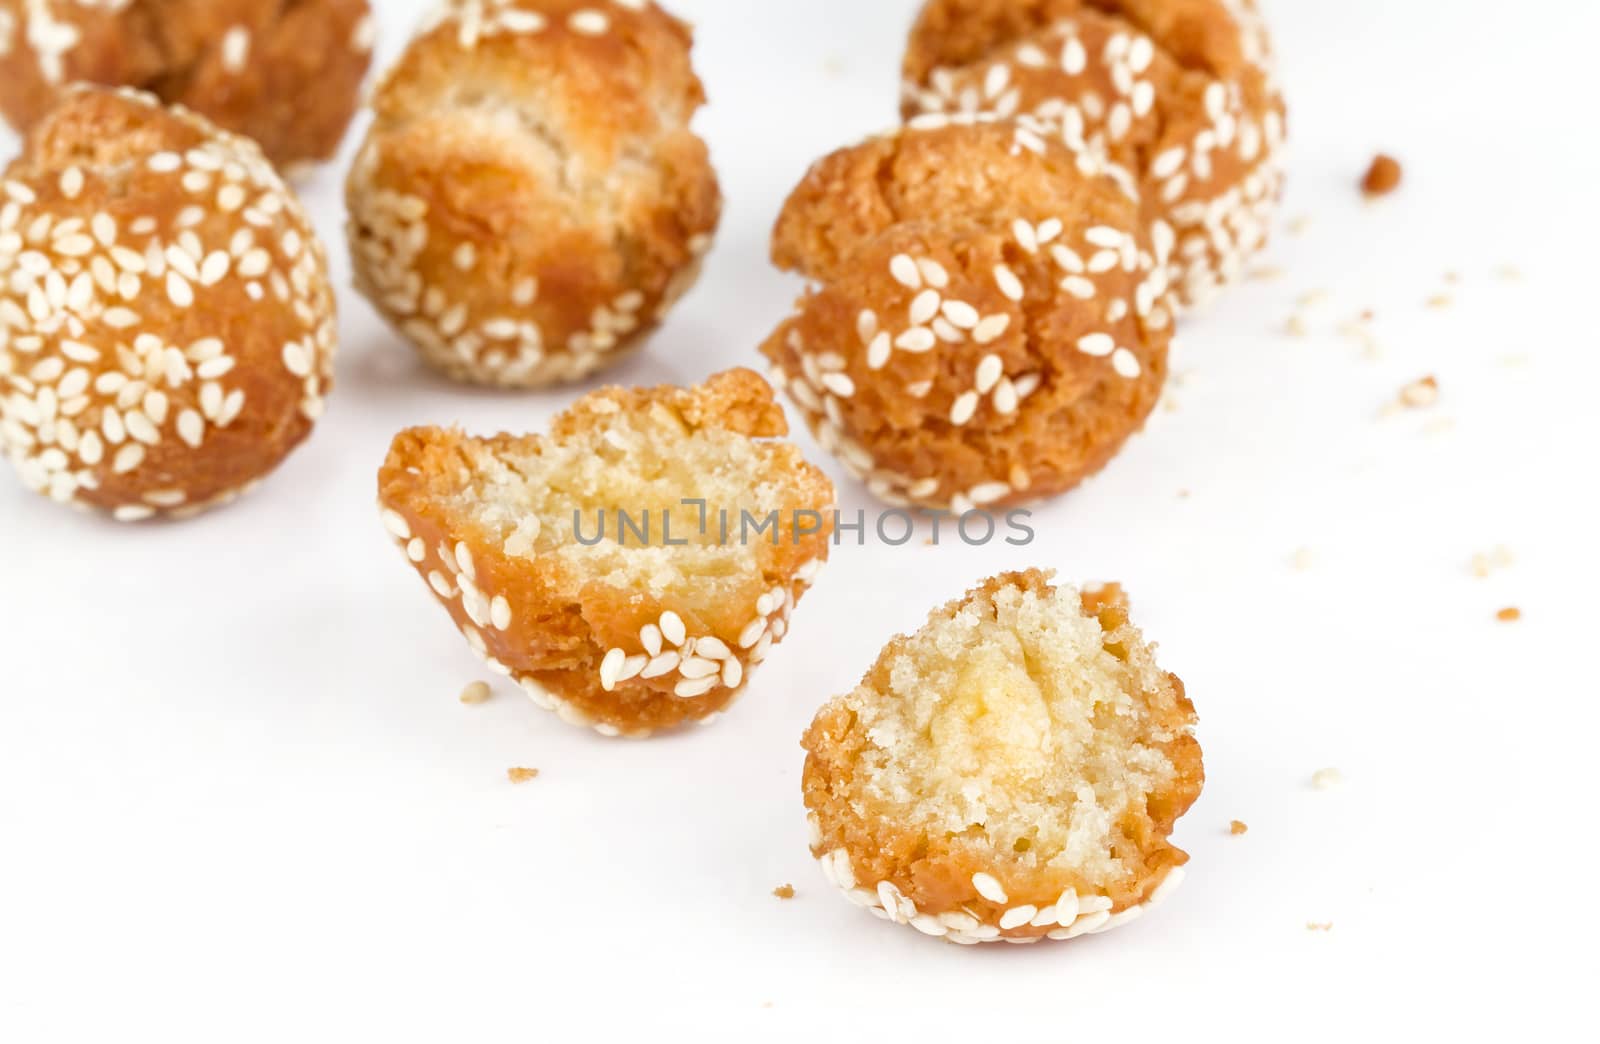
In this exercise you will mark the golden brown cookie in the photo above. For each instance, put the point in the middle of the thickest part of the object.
(284, 72)
(166, 327)
(1180, 94)
(531, 200)
(1010, 773)
(609, 568)
(991, 322)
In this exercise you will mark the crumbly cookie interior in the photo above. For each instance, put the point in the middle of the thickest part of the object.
(539, 495)
(1014, 722)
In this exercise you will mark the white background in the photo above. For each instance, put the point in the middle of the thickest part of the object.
(239, 799)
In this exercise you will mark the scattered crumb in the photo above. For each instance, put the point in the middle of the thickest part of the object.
(522, 775)
(1452, 277)
(1314, 298)
(766, 1004)
(784, 891)
(1170, 404)
(1420, 394)
(476, 693)
(1300, 225)
(1509, 273)
(1303, 559)
(1383, 177)
(1489, 562)
(1510, 614)
(1439, 426)
(1327, 779)
(1296, 326)
(1357, 330)
(1441, 301)
(1319, 926)
(1184, 494)
(1238, 828)
(1266, 273)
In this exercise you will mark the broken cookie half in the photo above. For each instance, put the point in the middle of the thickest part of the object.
(1010, 773)
(631, 568)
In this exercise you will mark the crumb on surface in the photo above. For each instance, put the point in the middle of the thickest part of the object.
(1238, 828)
(1382, 177)
(1299, 226)
(522, 775)
(1296, 326)
(1440, 301)
(1420, 394)
(1327, 779)
(784, 891)
(1489, 562)
(1303, 559)
(1319, 926)
(1510, 614)
(1509, 273)
(1266, 273)
(476, 693)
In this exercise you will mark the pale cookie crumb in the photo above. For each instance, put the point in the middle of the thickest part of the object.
(1489, 562)
(1420, 394)
(1510, 614)
(1319, 926)
(1327, 779)
(1238, 828)
(476, 693)
(784, 891)
(522, 775)
(1440, 301)
(1303, 559)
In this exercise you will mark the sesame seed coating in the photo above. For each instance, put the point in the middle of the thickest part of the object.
(1038, 347)
(285, 74)
(159, 352)
(1178, 97)
(1011, 773)
(531, 201)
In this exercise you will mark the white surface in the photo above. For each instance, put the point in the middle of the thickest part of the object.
(239, 800)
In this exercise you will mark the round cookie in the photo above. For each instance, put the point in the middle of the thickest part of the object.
(609, 568)
(531, 200)
(1179, 93)
(991, 323)
(287, 74)
(1010, 773)
(166, 326)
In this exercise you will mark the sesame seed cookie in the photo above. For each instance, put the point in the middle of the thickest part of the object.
(992, 319)
(167, 331)
(531, 200)
(287, 74)
(1179, 94)
(608, 568)
(1010, 773)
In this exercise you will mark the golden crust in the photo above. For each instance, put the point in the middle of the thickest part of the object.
(936, 882)
(574, 639)
(992, 323)
(286, 74)
(1179, 93)
(531, 200)
(167, 330)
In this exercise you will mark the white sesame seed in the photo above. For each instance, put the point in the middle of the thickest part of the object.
(1098, 345)
(672, 628)
(1017, 916)
(964, 408)
(1126, 363)
(610, 668)
(905, 271)
(990, 888)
